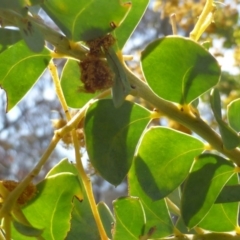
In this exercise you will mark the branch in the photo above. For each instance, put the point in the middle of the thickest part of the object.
(186, 118)
(63, 46)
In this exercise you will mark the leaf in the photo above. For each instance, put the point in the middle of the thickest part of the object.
(20, 69)
(164, 159)
(156, 212)
(106, 217)
(82, 220)
(123, 32)
(230, 193)
(112, 135)
(121, 87)
(180, 225)
(229, 137)
(216, 103)
(227, 212)
(179, 69)
(64, 166)
(8, 38)
(27, 230)
(82, 223)
(206, 180)
(233, 111)
(32, 36)
(82, 20)
(52, 206)
(73, 87)
(128, 227)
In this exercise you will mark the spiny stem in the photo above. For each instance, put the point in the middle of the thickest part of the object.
(186, 118)
(88, 188)
(83, 176)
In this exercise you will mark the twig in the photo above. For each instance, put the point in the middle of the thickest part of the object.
(83, 176)
(186, 118)
(174, 23)
(204, 20)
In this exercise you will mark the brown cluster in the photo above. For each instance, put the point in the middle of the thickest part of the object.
(98, 43)
(26, 195)
(95, 73)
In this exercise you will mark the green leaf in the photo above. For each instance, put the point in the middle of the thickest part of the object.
(106, 217)
(179, 69)
(82, 220)
(156, 212)
(227, 212)
(20, 69)
(72, 86)
(51, 208)
(206, 180)
(112, 136)
(123, 32)
(233, 111)
(216, 103)
(180, 225)
(64, 166)
(32, 36)
(164, 159)
(230, 193)
(82, 223)
(8, 38)
(86, 20)
(130, 219)
(27, 230)
(229, 137)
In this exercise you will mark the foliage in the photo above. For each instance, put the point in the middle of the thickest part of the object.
(170, 172)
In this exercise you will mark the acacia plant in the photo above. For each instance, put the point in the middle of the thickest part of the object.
(170, 173)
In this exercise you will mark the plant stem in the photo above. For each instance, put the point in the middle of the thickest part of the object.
(173, 207)
(1, 235)
(13, 196)
(63, 46)
(173, 23)
(7, 226)
(83, 176)
(88, 188)
(186, 118)
(204, 20)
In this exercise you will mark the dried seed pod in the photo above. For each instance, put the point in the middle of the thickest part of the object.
(95, 74)
(98, 43)
(26, 195)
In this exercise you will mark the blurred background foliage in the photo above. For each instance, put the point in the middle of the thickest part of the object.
(26, 131)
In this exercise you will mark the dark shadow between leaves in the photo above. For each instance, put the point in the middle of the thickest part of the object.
(196, 190)
(204, 65)
(147, 180)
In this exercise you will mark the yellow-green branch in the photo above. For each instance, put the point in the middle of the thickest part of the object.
(191, 121)
(204, 20)
(83, 176)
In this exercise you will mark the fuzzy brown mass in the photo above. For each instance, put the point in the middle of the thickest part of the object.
(95, 74)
